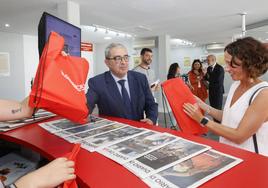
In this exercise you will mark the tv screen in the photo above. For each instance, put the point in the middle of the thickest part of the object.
(71, 34)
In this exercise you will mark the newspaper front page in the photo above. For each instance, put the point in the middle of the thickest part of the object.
(160, 159)
(194, 171)
(130, 149)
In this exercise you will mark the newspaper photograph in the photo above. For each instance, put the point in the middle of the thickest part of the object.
(13, 166)
(132, 148)
(165, 157)
(64, 124)
(99, 130)
(83, 128)
(194, 171)
(99, 141)
(58, 125)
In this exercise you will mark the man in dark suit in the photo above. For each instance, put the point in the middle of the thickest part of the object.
(120, 92)
(215, 77)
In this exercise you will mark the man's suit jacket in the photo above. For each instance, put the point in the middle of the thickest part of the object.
(216, 87)
(216, 79)
(104, 92)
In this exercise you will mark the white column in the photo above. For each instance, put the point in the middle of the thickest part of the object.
(163, 63)
(70, 12)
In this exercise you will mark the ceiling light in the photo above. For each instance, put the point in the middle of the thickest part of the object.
(7, 25)
(107, 38)
(266, 39)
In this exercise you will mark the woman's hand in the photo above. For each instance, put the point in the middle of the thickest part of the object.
(202, 104)
(193, 111)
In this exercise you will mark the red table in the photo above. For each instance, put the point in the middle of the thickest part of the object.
(95, 170)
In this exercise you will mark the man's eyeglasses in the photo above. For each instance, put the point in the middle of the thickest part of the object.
(119, 59)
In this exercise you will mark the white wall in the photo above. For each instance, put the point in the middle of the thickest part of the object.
(178, 54)
(31, 60)
(13, 86)
(89, 56)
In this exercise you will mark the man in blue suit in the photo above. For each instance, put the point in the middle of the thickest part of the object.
(120, 92)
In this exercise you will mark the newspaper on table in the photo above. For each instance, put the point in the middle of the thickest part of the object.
(39, 116)
(194, 171)
(109, 138)
(165, 157)
(83, 128)
(13, 166)
(76, 138)
(65, 124)
(132, 148)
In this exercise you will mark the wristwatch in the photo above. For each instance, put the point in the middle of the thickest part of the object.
(204, 121)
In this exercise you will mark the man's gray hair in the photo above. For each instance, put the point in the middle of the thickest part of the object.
(112, 45)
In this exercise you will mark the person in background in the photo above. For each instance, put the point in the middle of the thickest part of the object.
(144, 67)
(52, 174)
(244, 120)
(215, 77)
(120, 92)
(173, 71)
(196, 80)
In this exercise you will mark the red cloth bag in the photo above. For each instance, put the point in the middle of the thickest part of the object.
(177, 93)
(59, 84)
(72, 156)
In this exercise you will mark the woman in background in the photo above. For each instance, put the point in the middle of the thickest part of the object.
(196, 79)
(174, 71)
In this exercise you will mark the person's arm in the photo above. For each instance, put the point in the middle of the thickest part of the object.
(92, 96)
(254, 117)
(12, 110)
(215, 113)
(49, 176)
(151, 107)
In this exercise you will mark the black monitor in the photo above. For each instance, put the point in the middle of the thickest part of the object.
(71, 34)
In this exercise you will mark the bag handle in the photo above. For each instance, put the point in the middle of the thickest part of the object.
(255, 136)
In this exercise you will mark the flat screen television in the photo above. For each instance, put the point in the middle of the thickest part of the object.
(71, 34)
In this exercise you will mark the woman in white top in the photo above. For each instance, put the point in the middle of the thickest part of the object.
(246, 60)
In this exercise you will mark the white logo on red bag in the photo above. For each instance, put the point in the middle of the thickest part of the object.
(79, 88)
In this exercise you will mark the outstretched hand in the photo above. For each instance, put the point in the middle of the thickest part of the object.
(146, 120)
(202, 104)
(193, 111)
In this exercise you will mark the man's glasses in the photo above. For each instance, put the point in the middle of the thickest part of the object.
(119, 59)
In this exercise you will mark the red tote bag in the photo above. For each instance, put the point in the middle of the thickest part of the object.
(177, 93)
(59, 84)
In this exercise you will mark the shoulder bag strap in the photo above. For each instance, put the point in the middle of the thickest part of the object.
(255, 136)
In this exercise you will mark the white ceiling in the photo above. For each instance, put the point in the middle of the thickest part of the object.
(202, 22)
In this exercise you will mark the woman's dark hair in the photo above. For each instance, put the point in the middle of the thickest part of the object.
(252, 53)
(197, 61)
(172, 70)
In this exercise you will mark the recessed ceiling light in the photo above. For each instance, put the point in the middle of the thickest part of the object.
(107, 38)
(7, 25)
(266, 39)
